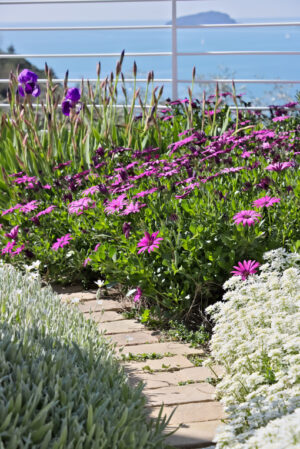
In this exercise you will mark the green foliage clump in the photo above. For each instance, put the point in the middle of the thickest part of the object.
(60, 385)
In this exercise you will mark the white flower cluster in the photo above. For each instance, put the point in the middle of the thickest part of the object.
(257, 339)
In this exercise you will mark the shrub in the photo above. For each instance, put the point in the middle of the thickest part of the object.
(60, 384)
(256, 338)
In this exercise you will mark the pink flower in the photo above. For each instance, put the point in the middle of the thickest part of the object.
(174, 146)
(265, 201)
(13, 233)
(279, 166)
(248, 217)
(145, 192)
(87, 261)
(47, 187)
(18, 250)
(133, 208)
(149, 242)
(246, 154)
(11, 209)
(97, 246)
(28, 207)
(281, 118)
(77, 207)
(245, 268)
(62, 241)
(116, 204)
(9, 247)
(45, 211)
(90, 191)
(137, 296)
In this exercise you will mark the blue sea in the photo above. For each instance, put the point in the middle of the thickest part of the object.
(241, 67)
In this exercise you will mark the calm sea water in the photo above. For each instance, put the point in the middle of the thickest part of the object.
(261, 67)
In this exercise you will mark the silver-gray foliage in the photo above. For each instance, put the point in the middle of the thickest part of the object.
(60, 386)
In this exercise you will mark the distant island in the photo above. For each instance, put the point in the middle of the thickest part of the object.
(204, 18)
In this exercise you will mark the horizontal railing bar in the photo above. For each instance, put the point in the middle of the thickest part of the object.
(166, 53)
(241, 81)
(81, 55)
(169, 80)
(160, 106)
(92, 80)
(240, 25)
(42, 2)
(87, 28)
(147, 27)
(245, 52)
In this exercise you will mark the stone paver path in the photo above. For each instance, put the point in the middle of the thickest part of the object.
(165, 367)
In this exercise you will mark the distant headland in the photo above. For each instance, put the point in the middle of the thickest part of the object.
(210, 17)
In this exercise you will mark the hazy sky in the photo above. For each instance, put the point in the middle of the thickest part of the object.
(158, 10)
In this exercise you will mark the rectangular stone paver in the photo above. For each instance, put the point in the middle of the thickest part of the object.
(119, 327)
(196, 374)
(134, 338)
(98, 306)
(82, 296)
(166, 363)
(179, 395)
(103, 317)
(194, 435)
(162, 348)
(197, 412)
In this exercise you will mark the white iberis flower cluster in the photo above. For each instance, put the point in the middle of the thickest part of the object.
(256, 338)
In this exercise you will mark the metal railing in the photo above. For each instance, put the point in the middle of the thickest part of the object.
(174, 53)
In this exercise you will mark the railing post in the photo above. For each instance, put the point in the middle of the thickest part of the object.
(174, 52)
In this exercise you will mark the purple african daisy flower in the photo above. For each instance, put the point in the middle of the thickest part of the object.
(133, 208)
(280, 118)
(86, 261)
(145, 192)
(149, 242)
(61, 242)
(90, 191)
(265, 201)
(248, 217)
(245, 268)
(137, 296)
(13, 233)
(17, 250)
(279, 166)
(116, 204)
(9, 247)
(11, 209)
(29, 207)
(77, 207)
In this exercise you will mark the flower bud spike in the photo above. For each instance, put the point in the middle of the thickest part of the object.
(98, 69)
(122, 57)
(194, 73)
(134, 69)
(66, 80)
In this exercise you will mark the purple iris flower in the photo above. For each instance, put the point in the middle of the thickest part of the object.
(73, 95)
(28, 83)
(70, 101)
